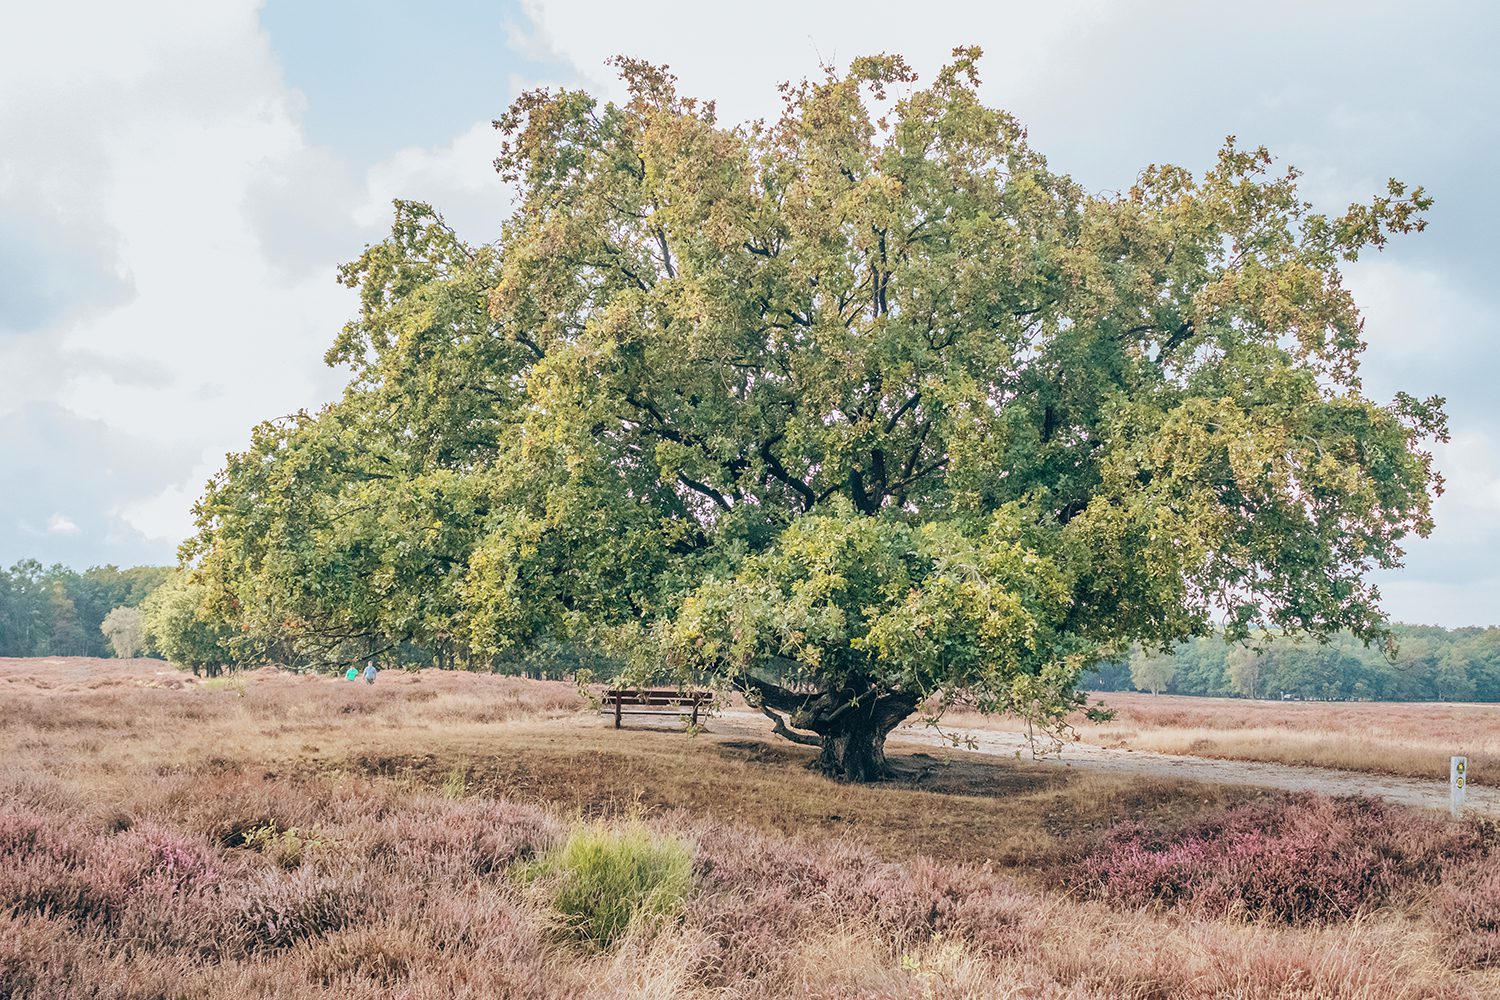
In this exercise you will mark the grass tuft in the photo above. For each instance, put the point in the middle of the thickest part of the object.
(604, 881)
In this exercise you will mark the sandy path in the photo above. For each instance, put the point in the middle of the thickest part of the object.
(1146, 763)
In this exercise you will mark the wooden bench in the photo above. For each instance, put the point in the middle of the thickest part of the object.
(655, 701)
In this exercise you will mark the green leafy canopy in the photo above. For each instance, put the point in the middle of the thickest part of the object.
(854, 407)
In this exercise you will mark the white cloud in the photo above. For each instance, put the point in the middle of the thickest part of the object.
(61, 524)
(153, 121)
(1436, 602)
(1427, 335)
(60, 470)
(170, 237)
(458, 179)
(1420, 326)
(166, 516)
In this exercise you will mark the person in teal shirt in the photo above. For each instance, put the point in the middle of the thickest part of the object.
(351, 674)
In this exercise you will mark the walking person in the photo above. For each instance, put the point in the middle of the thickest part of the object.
(370, 672)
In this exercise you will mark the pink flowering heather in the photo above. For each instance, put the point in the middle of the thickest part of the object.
(1468, 910)
(1299, 859)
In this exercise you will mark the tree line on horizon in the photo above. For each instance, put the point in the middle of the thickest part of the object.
(1429, 663)
(58, 611)
(106, 611)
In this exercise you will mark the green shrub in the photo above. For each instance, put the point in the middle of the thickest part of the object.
(601, 881)
(1100, 713)
(287, 847)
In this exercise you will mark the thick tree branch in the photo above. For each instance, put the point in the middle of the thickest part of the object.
(666, 254)
(1181, 334)
(780, 727)
(899, 488)
(895, 418)
(774, 695)
(774, 466)
(704, 489)
(529, 344)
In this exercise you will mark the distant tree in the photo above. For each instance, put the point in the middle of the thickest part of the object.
(1452, 680)
(99, 589)
(1200, 667)
(1152, 670)
(25, 609)
(178, 623)
(1109, 675)
(125, 632)
(68, 636)
(1245, 668)
(1307, 670)
(1481, 652)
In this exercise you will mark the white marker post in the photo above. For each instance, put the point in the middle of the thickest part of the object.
(1458, 784)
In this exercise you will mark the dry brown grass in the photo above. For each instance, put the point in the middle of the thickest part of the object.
(540, 742)
(275, 835)
(1413, 739)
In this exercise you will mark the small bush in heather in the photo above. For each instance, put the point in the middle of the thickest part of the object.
(278, 910)
(603, 881)
(1467, 908)
(21, 830)
(286, 848)
(460, 839)
(1300, 859)
(456, 785)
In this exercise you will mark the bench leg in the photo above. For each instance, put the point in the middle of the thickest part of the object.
(617, 714)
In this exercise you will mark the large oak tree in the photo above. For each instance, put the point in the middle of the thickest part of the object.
(860, 408)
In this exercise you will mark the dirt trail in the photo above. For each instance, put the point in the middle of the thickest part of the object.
(1145, 763)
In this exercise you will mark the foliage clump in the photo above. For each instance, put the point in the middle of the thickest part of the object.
(123, 628)
(288, 847)
(180, 621)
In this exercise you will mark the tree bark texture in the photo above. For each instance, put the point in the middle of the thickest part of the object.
(848, 724)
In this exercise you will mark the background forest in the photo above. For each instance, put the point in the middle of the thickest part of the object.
(57, 611)
(1431, 663)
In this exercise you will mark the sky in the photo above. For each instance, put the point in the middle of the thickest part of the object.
(179, 181)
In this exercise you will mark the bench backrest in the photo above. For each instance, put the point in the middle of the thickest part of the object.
(655, 696)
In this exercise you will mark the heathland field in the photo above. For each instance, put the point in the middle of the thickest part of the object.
(447, 834)
(1406, 738)
(1411, 739)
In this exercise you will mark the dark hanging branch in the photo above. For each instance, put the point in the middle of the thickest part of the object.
(779, 726)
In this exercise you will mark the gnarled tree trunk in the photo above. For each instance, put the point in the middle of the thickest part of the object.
(854, 738)
(849, 725)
